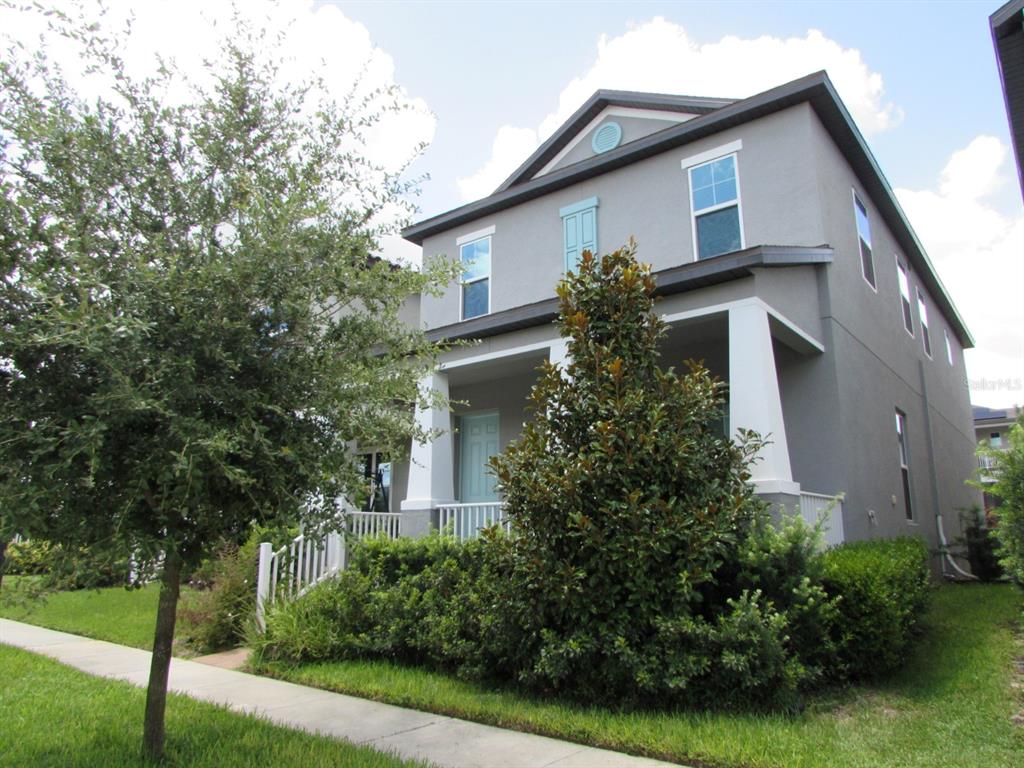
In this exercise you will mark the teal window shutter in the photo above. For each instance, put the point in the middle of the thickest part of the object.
(579, 231)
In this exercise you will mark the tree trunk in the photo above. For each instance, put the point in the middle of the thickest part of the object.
(156, 692)
(3, 559)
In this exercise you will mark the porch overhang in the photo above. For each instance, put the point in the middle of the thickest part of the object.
(685, 277)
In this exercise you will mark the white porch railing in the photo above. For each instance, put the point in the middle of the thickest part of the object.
(308, 559)
(814, 506)
(465, 521)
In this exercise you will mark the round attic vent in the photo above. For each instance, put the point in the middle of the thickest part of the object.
(606, 137)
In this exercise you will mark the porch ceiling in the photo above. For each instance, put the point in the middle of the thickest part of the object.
(495, 369)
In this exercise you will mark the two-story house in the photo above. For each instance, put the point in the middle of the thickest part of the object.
(783, 260)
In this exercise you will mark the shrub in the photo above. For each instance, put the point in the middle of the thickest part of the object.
(1008, 486)
(29, 557)
(64, 569)
(628, 503)
(883, 589)
(430, 601)
(980, 542)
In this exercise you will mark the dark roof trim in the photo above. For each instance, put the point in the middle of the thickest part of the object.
(1008, 13)
(816, 89)
(593, 107)
(698, 274)
(1008, 40)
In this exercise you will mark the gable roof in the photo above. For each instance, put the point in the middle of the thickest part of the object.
(815, 89)
(594, 106)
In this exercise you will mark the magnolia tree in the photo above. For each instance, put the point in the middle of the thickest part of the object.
(1007, 475)
(193, 329)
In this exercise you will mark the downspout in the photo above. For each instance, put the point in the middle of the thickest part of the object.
(944, 554)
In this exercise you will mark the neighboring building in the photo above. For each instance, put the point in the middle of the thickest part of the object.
(783, 260)
(1007, 26)
(992, 427)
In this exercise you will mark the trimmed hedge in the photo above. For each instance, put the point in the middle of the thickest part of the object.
(796, 619)
(883, 588)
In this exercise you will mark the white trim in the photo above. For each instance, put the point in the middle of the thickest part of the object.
(712, 154)
(721, 206)
(653, 114)
(856, 200)
(488, 356)
(676, 317)
(480, 234)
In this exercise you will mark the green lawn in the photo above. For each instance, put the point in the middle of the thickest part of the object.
(53, 715)
(114, 614)
(950, 706)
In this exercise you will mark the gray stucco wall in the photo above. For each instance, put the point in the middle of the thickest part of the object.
(633, 128)
(650, 201)
(880, 367)
(839, 405)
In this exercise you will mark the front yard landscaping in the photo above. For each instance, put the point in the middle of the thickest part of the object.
(114, 614)
(53, 715)
(951, 704)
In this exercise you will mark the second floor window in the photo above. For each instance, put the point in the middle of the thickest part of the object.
(715, 207)
(922, 313)
(579, 231)
(904, 281)
(949, 346)
(901, 439)
(867, 259)
(476, 277)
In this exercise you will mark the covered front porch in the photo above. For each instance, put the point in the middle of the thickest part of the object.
(745, 343)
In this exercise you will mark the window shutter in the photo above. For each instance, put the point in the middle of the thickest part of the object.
(571, 226)
(588, 231)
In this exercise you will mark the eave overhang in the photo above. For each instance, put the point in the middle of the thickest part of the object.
(815, 89)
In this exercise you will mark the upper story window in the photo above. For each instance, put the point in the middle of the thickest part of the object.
(922, 313)
(475, 256)
(579, 231)
(949, 346)
(901, 439)
(995, 440)
(715, 208)
(867, 259)
(904, 281)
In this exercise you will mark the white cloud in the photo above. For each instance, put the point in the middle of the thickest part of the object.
(313, 40)
(977, 251)
(660, 56)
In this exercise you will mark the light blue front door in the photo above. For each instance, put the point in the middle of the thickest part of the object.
(479, 442)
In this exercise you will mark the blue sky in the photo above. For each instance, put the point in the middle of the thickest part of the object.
(481, 65)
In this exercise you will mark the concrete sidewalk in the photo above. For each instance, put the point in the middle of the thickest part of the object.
(408, 733)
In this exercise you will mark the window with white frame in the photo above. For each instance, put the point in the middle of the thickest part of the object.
(901, 437)
(949, 346)
(995, 440)
(904, 281)
(922, 313)
(715, 207)
(475, 256)
(867, 259)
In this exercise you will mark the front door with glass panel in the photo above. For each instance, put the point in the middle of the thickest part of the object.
(478, 436)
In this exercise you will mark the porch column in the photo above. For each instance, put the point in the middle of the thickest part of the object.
(754, 400)
(431, 469)
(558, 352)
